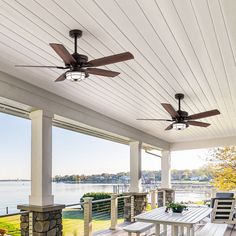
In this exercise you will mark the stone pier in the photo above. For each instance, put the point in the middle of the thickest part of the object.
(41, 221)
(164, 196)
(139, 202)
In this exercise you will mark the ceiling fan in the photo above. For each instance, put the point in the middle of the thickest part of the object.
(77, 65)
(180, 119)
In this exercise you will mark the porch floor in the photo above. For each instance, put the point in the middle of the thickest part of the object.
(231, 231)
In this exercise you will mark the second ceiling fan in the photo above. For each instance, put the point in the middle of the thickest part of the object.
(180, 119)
(77, 65)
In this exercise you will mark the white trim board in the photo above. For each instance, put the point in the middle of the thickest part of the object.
(207, 143)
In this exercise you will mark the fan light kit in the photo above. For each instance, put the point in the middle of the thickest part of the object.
(180, 119)
(77, 65)
(75, 76)
(179, 126)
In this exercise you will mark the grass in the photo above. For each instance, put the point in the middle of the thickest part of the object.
(73, 223)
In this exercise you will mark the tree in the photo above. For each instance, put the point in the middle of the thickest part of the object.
(224, 168)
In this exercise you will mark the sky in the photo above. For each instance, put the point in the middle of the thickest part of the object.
(75, 153)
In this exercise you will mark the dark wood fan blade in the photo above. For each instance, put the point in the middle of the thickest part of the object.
(56, 67)
(197, 123)
(169, 127)
(111, 59)
(203, 114)
(63, 53)
(61, 78)
(170, 110)
(155, 119)
(101, 72)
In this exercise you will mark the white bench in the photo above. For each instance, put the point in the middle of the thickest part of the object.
(212, 229)
(138, 228)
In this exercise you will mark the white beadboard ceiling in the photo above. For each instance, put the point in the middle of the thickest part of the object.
(186, 46)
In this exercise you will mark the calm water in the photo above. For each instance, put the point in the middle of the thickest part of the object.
(14, 193)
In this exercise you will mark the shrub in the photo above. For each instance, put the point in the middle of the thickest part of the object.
(104, 206)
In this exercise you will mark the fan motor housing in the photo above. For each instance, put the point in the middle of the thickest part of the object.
(80, 58)
(183, 115)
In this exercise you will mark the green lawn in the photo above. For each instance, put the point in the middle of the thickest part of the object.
(73, 223)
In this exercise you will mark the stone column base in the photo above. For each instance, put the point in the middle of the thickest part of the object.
(140, 204)
(41, 220)
(164, 196)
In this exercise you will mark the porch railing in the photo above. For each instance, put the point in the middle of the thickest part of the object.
(91, 216)
(84, 218)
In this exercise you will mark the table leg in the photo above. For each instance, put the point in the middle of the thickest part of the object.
(157, 228)
(181, 230)
(192, 231)
(174, 230)
(188, 231)
(164, 230)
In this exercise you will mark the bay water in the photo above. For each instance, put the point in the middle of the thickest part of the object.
(13, 193)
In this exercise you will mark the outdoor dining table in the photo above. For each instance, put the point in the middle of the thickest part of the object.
(178, 221)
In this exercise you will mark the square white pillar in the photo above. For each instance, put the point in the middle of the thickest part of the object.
(135, 167)
(41, 158)
(166, 169)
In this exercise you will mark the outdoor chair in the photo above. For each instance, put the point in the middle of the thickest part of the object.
(223, 211)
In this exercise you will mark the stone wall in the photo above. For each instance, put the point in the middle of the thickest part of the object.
(164, 196)
(139, 205)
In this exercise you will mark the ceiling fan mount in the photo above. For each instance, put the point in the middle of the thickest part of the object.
(77, 65)
(75, 33)
(179, 96)
(180, 119)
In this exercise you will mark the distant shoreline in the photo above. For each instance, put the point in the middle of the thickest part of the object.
(15, 180)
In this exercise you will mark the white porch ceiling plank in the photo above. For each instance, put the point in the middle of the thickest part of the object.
(56, 23)
(224, 44)
(178, 31)
(141, 72)
(179, 46)
(173, 17)
(113, 11)
(186, 14)
(139, 21)
(210, 38)
(172, 56)
(209, 69)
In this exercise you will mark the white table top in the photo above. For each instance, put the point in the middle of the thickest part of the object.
(192, 216)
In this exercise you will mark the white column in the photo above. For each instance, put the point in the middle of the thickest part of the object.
(135, 167)
(166, 169)
(41, 158)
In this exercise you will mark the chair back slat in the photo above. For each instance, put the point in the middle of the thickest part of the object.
(223, 211)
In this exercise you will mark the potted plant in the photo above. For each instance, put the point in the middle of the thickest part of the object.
(176, 207)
